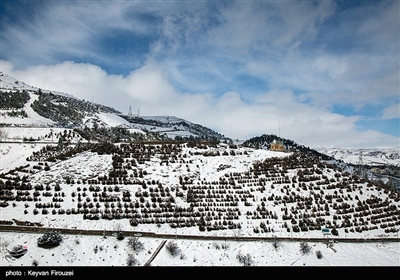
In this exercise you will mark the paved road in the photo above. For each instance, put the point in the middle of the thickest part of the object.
(36, 229)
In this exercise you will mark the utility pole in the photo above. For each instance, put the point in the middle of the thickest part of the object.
(279, 129)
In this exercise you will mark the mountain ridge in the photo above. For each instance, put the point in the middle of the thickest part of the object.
(24, 104)
(65, 110)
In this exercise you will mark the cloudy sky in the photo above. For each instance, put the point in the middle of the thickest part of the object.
(321, 73)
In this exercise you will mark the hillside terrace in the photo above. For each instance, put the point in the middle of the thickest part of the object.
(166, 184)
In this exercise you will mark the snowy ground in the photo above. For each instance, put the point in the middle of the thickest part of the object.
(83, 250)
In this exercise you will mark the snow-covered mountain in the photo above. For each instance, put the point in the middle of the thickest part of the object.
(8, 83)
(25, 105)
(372, 157)
(46, 112)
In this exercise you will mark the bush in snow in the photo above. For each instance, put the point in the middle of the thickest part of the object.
(334, 232)
(131, 260)
(304, 247)
(49, 239)
(172, 248)
(319, 254)
(246, 260)
(120, 234)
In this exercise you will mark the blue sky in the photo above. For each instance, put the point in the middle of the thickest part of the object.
(323, 73)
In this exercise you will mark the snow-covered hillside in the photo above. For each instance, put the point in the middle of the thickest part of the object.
(235, 190)
(43, 108)
(33, 118)
(366, 156)
(170, 126)
(163, 192)
(10, 83)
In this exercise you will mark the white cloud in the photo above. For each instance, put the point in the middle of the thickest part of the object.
(245, 26)
(50, 30)
(207, 47)
(380, 25)
(392, 112)
(149, 84)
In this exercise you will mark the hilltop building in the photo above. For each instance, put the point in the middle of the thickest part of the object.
(277, 146)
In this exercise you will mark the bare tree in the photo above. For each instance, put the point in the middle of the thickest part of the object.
(120, 234)
(135, 244)
(3, 134)
(131, 260)
(246, 260)
(172, 248)
(304, 247)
